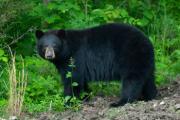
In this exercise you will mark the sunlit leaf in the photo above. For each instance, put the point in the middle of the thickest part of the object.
(1, 52)
(74, 84)
(68, 75)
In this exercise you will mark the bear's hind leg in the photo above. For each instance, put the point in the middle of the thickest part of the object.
(132, 86)
(149, 90)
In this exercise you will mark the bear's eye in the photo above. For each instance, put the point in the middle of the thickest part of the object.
(44, 49)
(41, 48)
(54, 45)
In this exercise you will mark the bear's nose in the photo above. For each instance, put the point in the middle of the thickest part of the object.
(49, 53)
(49, 57)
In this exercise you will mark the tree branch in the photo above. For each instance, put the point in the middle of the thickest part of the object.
(20, 37)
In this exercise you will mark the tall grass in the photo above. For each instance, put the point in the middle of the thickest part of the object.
(17, 86)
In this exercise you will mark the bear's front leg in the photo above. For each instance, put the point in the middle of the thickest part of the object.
(73, 85)
(69, 88)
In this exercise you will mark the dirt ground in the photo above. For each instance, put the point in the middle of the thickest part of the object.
(165, 107)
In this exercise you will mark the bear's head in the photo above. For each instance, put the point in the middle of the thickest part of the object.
(49, 44)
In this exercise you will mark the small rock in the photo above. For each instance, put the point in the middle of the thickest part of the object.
(165, 98)
(175, 95)
(2, 119)
(162, 103)
(12, 118)
(101, 113)
(177, 106)
(155, 105)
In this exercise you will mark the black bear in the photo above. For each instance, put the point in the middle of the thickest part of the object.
(108, 52)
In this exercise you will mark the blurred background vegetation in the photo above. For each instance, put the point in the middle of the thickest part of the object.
(160, 20)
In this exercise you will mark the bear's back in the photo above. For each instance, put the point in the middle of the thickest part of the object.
(111, 49)
(114, 34)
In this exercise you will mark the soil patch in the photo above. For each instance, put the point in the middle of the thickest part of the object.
(165, 107)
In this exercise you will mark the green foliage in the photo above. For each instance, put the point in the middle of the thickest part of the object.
(60, 14)
(3, 104)
(167, 60)
(3, 56)
(43, 79)
(3, 84)
(106, 88)
(16, 25)
(53, 103)
(112, 14)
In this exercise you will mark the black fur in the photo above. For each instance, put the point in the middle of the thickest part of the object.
(107, 52)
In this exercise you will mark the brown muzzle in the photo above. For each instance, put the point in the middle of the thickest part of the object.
(49, 53)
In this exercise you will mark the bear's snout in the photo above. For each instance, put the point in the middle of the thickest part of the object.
(49, 53)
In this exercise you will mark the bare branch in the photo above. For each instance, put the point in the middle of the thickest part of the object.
(20, 37)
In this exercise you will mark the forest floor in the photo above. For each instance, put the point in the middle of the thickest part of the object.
(165, 107)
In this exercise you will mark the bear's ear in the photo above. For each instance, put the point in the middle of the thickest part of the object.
(61, 33)
(39, 34)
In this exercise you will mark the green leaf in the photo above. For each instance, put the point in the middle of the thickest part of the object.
(148, 14)
(1, 52)
(143, 22)
(51, 6)
(74, 84)
(67, 98)
(5, 59)
(123, 13)
(98, 12)
(52, 19)
(72, 66)
(68, 75)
